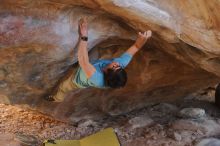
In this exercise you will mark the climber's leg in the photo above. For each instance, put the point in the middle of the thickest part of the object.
(64, 87)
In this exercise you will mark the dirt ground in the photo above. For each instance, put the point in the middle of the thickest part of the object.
(159, 124)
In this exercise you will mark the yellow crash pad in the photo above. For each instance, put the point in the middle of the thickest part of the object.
(106, 137)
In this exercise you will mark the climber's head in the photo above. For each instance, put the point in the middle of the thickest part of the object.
(115, 76)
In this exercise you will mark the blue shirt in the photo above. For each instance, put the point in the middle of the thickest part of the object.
(97, 79)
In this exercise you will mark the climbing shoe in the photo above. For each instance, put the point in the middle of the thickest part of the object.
(49, 98)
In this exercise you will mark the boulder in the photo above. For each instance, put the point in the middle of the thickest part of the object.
(193, 113)
(207, 127)
(38, 45)
(209, 142)
(217, 95)
(140, 121)
(8, 139)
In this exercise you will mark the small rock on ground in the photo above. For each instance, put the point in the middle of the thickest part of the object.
(209, 142)
(192, 113)
(141, 121)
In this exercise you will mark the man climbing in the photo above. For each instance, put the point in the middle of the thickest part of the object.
(100, 73)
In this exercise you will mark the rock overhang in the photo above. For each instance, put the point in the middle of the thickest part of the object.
(38, 45)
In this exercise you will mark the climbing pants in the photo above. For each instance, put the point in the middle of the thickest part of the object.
(65, 86)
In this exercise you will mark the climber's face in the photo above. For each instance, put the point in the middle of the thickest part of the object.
(113, 66)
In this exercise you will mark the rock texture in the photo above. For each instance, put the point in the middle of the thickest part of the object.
(192, 113)
(38, 49)
(209, 142)
(148, 126)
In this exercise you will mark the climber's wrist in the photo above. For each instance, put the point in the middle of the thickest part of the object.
(84, 38)
(135, 47)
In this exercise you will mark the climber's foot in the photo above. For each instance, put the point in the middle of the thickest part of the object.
(49, 98)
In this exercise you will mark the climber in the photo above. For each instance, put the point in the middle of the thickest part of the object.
(100, 73)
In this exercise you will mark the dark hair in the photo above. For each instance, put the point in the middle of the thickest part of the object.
(115, 78)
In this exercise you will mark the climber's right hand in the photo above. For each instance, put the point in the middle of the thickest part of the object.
(142, 38)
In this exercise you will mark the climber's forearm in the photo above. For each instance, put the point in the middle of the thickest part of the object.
(82, 52)
(83, 56)
(139, 43)
(83, 59)
(133, 50)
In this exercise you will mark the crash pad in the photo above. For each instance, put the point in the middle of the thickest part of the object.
(106, 137)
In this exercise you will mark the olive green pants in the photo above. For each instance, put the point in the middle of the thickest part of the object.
(65, 86)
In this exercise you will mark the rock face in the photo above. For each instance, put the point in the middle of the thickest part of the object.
(38, 44)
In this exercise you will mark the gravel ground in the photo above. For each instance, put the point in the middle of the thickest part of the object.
(183, 123)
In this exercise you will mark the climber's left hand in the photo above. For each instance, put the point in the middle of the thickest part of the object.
(83, 27)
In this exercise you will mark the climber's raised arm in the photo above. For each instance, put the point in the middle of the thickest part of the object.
(139, 43)
(83, 56)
